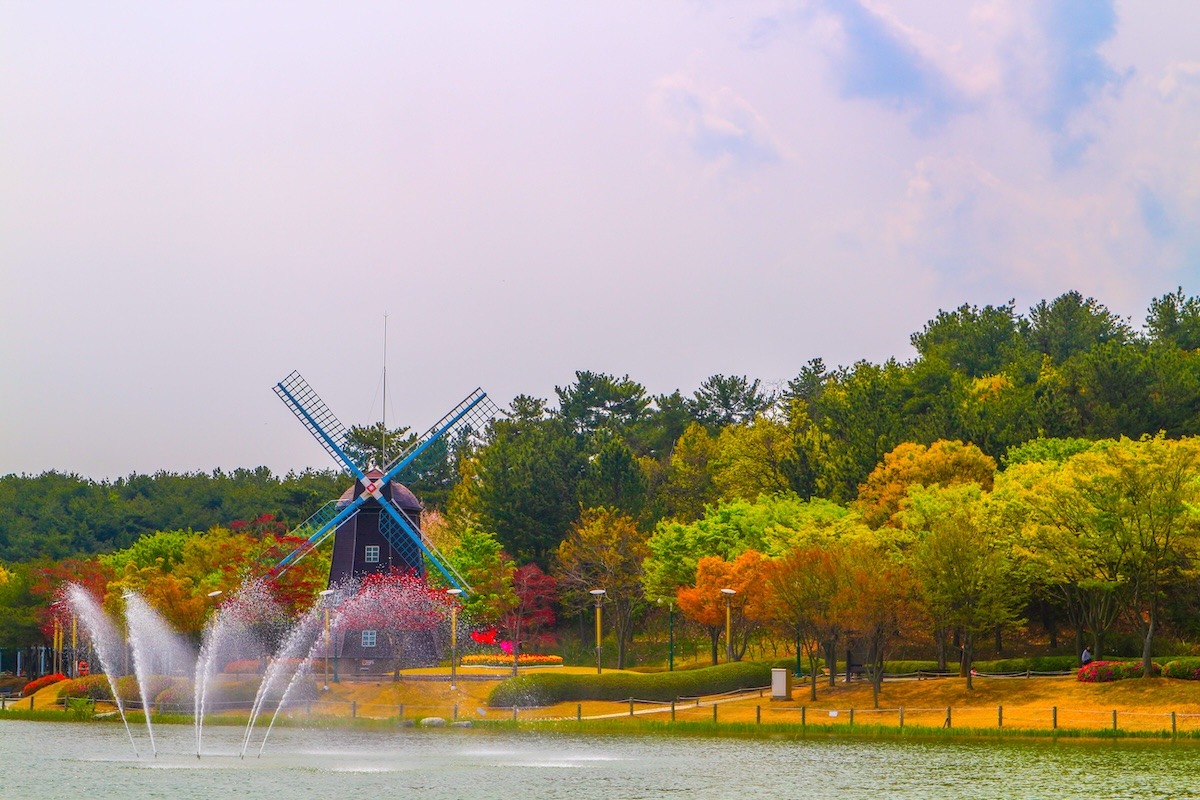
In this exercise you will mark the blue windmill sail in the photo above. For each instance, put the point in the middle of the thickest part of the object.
(378, 511)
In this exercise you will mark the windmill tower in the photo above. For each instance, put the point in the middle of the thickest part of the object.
(376, 522)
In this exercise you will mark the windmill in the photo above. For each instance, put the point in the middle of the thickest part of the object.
(376, 523)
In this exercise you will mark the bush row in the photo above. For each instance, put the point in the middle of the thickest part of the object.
(548, 688)
(177, 694)
(1108, 671)
(1032, 664)
(1187, 669)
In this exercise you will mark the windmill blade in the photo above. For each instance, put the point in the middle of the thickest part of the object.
(470, 417)
(303, 401)
(396, 529)
(317, 529)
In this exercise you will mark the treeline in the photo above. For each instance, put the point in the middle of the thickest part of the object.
(986, 375)
(1069, 368)
(56, 515)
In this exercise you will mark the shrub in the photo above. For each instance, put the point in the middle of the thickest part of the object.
(548, 688)
(249, 666)
(1187, 669)
(501, 660)
(1108, 671)
(91, 687)
(42, 683)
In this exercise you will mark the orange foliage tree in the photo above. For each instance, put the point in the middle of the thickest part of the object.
(704, 603)
(945, 463)
(803, 589)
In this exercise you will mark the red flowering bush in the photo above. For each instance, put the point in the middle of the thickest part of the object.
(42, 683)
(1109, 671)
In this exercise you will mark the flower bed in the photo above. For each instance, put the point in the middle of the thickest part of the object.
(42, 683)
(501, 660)
(1108, 671)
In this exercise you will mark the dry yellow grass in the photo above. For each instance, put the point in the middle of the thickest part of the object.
(1026, 703)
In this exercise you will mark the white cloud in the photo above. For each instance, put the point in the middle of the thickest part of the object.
(718, 126)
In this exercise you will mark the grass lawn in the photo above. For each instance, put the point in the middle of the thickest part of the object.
(1012, 703)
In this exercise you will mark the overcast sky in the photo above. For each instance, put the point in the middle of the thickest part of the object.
(197, 198)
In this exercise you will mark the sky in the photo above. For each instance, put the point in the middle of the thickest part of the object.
(198, 198)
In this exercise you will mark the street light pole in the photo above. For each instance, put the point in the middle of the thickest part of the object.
(454, 593)
(598, 594)
(671, 636)
(325, 603)
(671, 633)
(729, 593)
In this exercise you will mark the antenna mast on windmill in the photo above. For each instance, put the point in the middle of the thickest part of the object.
(383, 415)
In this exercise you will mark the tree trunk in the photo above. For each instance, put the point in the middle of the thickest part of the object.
(1148, 646)
(831, 661)
(714, 635)
(968, 648)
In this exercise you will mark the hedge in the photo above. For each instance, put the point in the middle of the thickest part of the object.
(548, 688)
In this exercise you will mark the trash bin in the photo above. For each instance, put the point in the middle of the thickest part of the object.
(781, 684)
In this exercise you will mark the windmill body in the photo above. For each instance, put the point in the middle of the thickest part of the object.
(359, 544)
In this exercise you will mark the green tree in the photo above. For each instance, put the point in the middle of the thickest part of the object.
(604, 550)
(965, 563)
(971, 340)
(1070, 325)
(525, 483)
(597, 401)
(728, 400)
(1175, 319)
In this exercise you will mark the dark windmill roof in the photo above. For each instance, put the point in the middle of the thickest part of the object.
(397, 492)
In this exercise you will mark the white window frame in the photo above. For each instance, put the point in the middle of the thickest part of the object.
(370, 638)
(371, 554)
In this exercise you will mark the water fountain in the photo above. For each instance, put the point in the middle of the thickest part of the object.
(246, 627)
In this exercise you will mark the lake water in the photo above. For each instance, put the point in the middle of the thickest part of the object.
(96, 761)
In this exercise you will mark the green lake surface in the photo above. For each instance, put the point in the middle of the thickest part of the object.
(97, 761)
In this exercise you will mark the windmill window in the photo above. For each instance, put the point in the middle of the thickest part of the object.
(371, 556)
(369, 638)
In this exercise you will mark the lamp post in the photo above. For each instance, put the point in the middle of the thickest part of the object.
(325, 602)
(670, 633)
(598, 594)
(729, 593)
(454, 593)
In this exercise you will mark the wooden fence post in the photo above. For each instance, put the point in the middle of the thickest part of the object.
(714, 713)
(1114, 719)
(1054, 718)
(901, 717)
(999, 716)
(758, 715)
